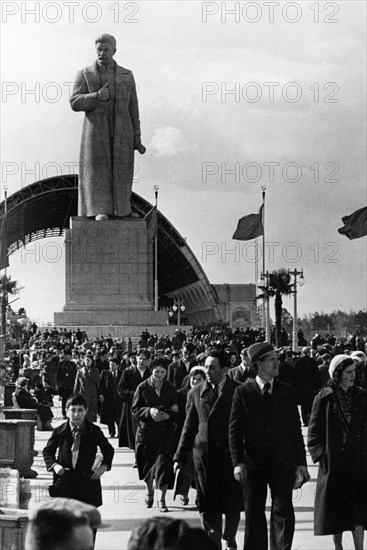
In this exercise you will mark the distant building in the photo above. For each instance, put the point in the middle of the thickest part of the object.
(237, 305)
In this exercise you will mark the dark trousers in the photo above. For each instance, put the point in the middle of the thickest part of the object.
(45, 413)
(212, 524)
(65, 393)
(115, 421)
(282, 514)
(306, 408)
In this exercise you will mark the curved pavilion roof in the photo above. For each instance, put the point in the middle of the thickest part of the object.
(43, 209)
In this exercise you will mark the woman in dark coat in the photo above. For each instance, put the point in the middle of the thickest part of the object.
(129, 381)
(155, 407)
(337, 440)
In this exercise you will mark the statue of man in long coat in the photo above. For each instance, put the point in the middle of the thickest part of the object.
(106, 93)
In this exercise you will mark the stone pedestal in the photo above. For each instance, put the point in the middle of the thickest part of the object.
(109, 275)
(13, 527)
(10, 413)
(17, 445)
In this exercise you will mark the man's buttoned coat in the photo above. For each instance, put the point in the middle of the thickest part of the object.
(206, 432)
(261, 436)
(240, 374)
(177, 372)
(112, 404)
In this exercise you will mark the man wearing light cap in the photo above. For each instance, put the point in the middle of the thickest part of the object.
(267, 449)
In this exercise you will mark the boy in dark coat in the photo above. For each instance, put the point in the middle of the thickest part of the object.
(77, 441)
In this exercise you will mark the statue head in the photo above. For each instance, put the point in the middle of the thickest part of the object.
(106, 48)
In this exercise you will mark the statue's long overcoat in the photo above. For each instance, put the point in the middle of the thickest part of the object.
(103, 188)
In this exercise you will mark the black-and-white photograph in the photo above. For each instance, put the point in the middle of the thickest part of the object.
(183, 297)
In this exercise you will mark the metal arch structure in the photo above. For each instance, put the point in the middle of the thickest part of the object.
(43, 209)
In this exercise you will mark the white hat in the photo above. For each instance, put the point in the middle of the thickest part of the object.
(359, 356)
(341, 360)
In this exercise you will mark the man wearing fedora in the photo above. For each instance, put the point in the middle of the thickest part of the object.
(267, 449)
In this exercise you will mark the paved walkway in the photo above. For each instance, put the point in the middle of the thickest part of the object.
(123, 508)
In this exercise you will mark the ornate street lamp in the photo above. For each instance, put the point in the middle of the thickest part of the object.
(178, 307)
(300, 282)
(263, 284)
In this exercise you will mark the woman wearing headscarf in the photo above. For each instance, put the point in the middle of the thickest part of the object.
(337, 441)
(155, 407)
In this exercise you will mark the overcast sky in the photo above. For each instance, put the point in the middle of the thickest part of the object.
(271, 94)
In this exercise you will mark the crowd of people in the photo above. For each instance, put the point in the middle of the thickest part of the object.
(207, 401)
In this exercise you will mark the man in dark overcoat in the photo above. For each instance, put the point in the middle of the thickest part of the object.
(111, 403)
(206, 432)
(178, 370)
(306, 382)
(267, 449)
(244, 370)
(65, 378)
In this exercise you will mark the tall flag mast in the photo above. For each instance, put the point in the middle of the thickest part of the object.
(250, 227)
(4, 259)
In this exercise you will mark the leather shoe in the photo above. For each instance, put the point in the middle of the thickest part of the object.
(231, 544)
(162, 506)
(149, 499)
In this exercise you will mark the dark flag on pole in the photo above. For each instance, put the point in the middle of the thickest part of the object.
(249, 227)
(355, 225)
(151, 218)
(4, 260)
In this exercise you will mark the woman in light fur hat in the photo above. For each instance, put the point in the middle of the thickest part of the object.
(337, 441)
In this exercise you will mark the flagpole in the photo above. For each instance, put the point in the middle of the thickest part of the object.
(4, 296)
(156, 188)
(5, 217)
(265, 297)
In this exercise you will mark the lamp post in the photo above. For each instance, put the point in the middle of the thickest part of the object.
(263, 283)
(300, 282)
(156, 189)
(178, 307)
